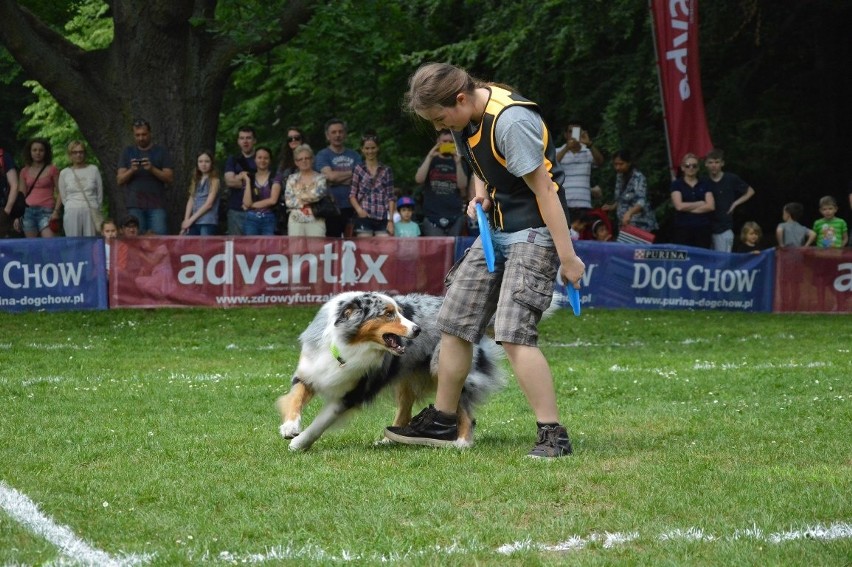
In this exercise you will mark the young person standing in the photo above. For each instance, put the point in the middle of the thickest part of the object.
(234, 186)
(519, 183)
(201, 214)
(261, 192)
(729, 192)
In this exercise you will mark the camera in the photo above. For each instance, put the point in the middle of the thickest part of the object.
(447, 148)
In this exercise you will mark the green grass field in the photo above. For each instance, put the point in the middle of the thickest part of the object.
(150, 437)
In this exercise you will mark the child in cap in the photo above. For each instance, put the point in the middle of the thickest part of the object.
(405, 227)
(130, 226)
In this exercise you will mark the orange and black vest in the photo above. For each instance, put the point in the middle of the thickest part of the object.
(514, 204)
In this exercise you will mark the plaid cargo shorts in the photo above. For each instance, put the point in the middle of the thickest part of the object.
(516, 293)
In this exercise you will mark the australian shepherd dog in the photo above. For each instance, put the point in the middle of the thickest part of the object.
(359, 343)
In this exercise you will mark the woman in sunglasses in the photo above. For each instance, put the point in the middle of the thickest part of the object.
(694, 205)
(287, 166)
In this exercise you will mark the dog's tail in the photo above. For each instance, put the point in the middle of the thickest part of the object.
(487, 374)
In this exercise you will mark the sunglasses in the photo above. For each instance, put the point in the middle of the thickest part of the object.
(294, 138)
(690, 165)
(138, 123)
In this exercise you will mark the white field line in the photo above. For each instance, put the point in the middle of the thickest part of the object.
(313, 553)
(23, 510)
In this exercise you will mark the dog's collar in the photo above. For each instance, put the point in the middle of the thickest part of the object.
(335, 352)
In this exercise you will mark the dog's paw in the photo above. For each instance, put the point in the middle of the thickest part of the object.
(462, 443)
(290, 429)
(384, 441)
(299, 443)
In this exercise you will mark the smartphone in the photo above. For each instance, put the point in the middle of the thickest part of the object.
(575, 133)
(447, 148)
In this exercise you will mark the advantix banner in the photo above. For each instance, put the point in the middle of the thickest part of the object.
(220, 271)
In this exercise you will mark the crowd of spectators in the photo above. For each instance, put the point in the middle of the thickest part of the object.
(337, 191)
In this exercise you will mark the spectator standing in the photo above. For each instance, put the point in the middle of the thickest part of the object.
(577, 158)
(750, 239)
(287, 160)
(109, 232)
(790, 233)
(522, 193)
(632, 204)
(201, 216)
(372, 193)
(729, 192)
(444, 178)
(286, 167)
(405, 227)
(81, 188)
(8, 192)
(337, 163)
(260, 195)
(234, 166)
(145, 170)
(304, 187)
(831, 230)
(694, 204)
(39, 180)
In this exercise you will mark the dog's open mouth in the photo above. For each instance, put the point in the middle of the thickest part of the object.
(393, 343)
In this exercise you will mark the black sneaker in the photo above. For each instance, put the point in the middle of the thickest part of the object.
(429, 427)
(552, 442)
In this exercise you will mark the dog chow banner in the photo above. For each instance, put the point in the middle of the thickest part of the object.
(218, 271)
(52, 274)
(813, 280)
(667, 276)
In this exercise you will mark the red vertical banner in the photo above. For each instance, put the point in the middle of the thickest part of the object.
(675, 25)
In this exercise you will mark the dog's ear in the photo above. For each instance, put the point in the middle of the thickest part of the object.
(346, 311)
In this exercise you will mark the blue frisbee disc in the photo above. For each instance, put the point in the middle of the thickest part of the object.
(573, 298)
(485, 235)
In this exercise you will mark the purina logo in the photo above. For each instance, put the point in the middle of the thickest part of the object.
(660, 254)
(348, 268)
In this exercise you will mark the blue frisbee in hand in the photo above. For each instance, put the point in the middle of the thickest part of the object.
(572, 293)
(485, 235)
(573, 298)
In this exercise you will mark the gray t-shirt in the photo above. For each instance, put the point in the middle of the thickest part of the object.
(519, 135)
(793, 234)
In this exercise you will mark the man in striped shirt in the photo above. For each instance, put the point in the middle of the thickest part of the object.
(577, 157)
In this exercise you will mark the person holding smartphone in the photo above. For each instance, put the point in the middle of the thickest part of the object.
(144, 171)
(444, 177)
(577, 157)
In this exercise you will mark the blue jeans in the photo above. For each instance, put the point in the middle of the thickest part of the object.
(259, 223)
(36, 219)
(202, 230)
(236, 222)
(150, 220)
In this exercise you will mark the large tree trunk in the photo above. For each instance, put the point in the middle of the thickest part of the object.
(165, 65)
